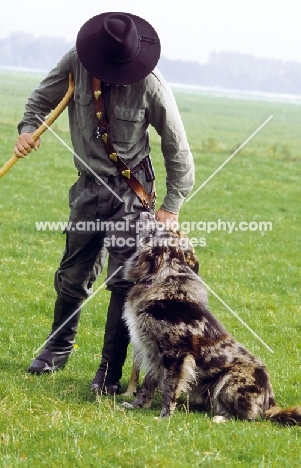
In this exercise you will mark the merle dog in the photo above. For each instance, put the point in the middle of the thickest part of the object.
(183, 347)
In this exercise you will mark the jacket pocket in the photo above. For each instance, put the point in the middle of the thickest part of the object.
(129, 124)
(82, 102)
(131, 114)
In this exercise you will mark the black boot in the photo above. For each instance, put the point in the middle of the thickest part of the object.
(60, 344)
(114, 350)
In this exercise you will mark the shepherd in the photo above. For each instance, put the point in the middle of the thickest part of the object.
(118, 94)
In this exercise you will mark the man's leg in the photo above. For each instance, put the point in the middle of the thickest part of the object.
(82, 262)
(116, 338)
(114, 351)
(67, 309)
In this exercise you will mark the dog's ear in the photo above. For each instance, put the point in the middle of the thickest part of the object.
(192, 261)
(195, 267)
(189, 252)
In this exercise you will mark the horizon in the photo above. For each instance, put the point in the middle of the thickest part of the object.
(222, 51)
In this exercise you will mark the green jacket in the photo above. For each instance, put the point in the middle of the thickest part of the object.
(130, 110)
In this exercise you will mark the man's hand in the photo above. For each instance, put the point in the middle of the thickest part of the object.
(25, 144)
(167, 217)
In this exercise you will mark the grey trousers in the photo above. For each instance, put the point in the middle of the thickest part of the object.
(99, 224)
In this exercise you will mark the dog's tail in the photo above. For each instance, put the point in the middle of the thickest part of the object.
(290, 416)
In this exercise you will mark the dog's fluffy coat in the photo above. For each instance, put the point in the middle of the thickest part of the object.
(182, 346)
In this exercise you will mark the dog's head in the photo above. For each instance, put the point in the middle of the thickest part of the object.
(160, 251)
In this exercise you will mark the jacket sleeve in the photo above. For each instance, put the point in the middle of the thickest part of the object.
(45, 97)
(164, 116)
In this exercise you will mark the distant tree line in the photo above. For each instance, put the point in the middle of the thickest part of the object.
(223, 69)
(24, 50)
(236, 71)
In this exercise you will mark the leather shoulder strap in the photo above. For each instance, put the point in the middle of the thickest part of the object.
(102, 132)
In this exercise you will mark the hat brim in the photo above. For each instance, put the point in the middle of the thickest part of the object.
(87, 46)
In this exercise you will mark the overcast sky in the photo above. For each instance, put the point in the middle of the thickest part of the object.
(188, 29)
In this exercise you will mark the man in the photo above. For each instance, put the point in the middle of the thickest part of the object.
(118, 94)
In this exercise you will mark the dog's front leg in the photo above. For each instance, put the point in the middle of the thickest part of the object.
(171, 385)
(145, 395)
(133, 383)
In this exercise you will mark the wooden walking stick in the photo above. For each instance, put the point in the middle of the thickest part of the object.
(48, 122)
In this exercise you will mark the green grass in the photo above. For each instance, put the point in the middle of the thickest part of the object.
(54, 421)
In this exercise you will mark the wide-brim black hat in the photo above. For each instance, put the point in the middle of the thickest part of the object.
(118, 48)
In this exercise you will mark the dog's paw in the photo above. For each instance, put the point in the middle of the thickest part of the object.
(219, 419)
(127, 405)
(165, 413)
(129, 393)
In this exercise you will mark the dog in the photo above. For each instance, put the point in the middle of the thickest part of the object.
(182, 346)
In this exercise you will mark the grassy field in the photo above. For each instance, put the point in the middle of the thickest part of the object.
(54, 421)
